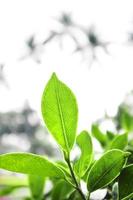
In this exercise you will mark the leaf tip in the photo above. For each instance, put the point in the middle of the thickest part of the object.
(54, 75)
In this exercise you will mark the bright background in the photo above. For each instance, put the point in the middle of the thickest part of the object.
(99, 88)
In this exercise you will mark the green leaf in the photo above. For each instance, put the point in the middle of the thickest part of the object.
(106, 169)
(28, 163)
(6, 190)
(36, 184)
(126, 120)
(110, 135)
(126, 183)
(8, 180)
(61, 190)
(74, 196)
(64, 168)
(85, 143)
(60, 112)
(119, 142)
(96, 132)
(85, 177)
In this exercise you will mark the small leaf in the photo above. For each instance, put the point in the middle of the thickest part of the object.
(28, 163)
(36, 184)
(61, 190)
(64, 168)
(74, 196)
(6, 190)
(60, 112)
(85, 143)
(7, 180)
(126, 121)
(85, 177)
(110, 135)
(119, 142)
(96, 132)
(106, 169)
(126, 183)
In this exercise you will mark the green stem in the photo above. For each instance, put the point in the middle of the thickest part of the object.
(77, 186)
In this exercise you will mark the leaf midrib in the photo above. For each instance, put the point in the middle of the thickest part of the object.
(61, 113)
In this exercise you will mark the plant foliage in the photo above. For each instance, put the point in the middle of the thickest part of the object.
(60, 114)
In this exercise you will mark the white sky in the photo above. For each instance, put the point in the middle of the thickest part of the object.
(99, 89)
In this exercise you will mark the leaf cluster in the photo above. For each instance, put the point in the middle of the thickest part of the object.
(60, 113)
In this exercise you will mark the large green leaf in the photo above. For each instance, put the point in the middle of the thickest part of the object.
(119, 142)
(106, 169)
(60, 112)
(28, 163)
(85, 143)
(36, 184)
(126, 183)
(97, 133)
